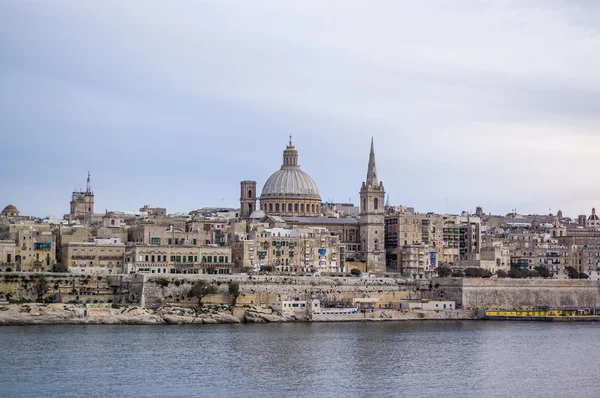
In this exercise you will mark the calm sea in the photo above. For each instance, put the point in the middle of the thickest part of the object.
(414, 359)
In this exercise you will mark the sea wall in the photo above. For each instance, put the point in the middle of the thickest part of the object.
(517, 293)
(266, 290)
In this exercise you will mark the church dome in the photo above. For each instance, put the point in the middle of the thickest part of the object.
(291, 182)
(258, 215)
(11, 211)
(593, 217)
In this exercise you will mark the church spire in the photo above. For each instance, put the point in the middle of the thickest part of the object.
(372, 179)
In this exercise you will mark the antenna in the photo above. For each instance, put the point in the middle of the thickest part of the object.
(88, 187)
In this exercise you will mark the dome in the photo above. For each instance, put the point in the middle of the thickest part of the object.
(593, 217)
(257, 215)
(291, 182)
(10, 210)
(110, 214)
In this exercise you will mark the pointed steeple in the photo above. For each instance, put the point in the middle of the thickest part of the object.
(372, 179)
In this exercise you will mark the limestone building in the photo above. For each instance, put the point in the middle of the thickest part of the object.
(183, 259)
(288, 250)
(97, 257)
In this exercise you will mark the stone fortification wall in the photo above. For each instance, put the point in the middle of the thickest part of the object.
(265, 290)
(518, 293)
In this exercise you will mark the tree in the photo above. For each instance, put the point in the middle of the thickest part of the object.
(458, 273)
(572, 272)
(543, 271)
(501, 274)
(266, 268)
(355, 272)
(58, 267)
(234, 290)
(211, 270)
(514, 273)
(41, 287)
(443, 271)
(200, 289)
(583, 275)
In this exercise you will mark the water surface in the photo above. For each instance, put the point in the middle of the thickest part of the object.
(421, 358)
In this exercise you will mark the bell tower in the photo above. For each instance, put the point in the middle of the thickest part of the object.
(247, 198)
(372, 218)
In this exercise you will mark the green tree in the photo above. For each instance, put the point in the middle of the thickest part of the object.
(443, 271)
(583, 275)
(234, 290)
(458, 273)
(355, 272)
(41, 287)
(201, 289)
(514, 273)
(543, 271)
(501, 274)
(572, 272)
(266, 268)
(58, 267)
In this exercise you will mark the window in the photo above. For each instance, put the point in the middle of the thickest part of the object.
(155, 240)
(290, 207)
(176, 241)
(226, 259)
(276, 206)
(195, 259)
(375, 203)
(270, 207)
(170, 241)
(146, 258)
(153, 258)
(195, 242)
(296, 207)
(302, 208)
(210, 259)
(220, 259)
(249, 193)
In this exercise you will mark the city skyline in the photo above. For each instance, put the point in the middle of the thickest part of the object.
(170, 109)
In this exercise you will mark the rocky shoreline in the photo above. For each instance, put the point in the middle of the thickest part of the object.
(106, 314)
(56, 314)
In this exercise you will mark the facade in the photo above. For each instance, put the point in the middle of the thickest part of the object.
(289, 191)
(416, 261)
(7, 255)
(98, 257)
(371, 219)
(172, 259)
(288, 250)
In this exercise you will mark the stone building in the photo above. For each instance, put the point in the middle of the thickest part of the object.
(97, 257)
(247, 198)
(288, 250)
(7, 255)
(415, 261)
(35, 247)
(183, 259)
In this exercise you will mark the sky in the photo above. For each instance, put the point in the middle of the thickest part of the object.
(172, 104)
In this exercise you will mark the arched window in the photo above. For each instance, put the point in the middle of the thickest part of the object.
(270, 207)
(249, 208)
(313, 208)
(375, 203)
(302, 208)
(112, 222)
(249, 193)
(276, 207)
(283, 207)
(290, 207)
(364, 205)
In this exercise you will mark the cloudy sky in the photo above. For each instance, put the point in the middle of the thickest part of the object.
(173, 103)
